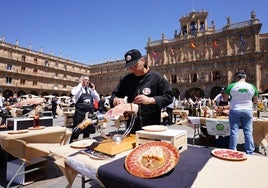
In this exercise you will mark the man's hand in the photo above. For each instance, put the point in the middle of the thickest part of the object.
(118, 101)
(92, 86)
(143, 99)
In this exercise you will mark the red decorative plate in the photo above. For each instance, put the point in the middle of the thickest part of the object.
(229, 154)
(152, 159)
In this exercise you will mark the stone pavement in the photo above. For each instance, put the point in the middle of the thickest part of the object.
(55, 179)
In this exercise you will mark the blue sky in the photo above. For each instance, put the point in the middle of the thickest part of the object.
(93, 31)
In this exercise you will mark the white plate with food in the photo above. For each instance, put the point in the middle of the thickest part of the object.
(229, 154)
(155, 128)
(82, 143)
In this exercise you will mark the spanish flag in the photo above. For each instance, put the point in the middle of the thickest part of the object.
(215, 45)
(242, 42)
(155, 56)
(171, 51)
(193, 45)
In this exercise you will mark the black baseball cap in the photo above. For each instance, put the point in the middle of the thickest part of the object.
(241, 74)
(132, 57)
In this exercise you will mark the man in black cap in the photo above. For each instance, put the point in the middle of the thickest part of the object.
(219, 99)
(147, 88)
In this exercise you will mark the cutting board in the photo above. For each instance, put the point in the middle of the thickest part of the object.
(112, 148)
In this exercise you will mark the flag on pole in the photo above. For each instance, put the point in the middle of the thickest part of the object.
(242, 42)
(154, 54)
(171, 51)
(155, 57)
(193, 45)
(215, 44)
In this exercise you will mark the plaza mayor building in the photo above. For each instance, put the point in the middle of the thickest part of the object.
(198, 61)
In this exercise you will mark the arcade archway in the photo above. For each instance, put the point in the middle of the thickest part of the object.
(194, 93)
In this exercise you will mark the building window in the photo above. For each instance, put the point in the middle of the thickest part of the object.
(215, 76)
(64, 86)
(202, 26)
(56, 65)
(9, 67)
(23, 69)
(23, 58)
(8, 80)
(193, 28)
(22, 81)
(65, 67)
(46, 64)
(34, 83)
(184, 30)
(194, 77)
(56, 75)
(35, 70)
(266, 77)
(35, 60)
(173, 79)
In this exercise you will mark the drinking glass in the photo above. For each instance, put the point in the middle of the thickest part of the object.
(94, 123)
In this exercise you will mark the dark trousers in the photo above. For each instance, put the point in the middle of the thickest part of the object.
(79, 116)
(168, 120)
(54, 109)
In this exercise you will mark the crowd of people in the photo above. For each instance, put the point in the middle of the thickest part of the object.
(26, 105)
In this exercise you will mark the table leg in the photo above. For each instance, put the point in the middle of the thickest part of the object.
(196, 132)
(174, 118)
(84, 181)
(16, 174)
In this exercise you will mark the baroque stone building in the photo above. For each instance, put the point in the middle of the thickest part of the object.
(25, 71)
(200, 60)
(197, 62)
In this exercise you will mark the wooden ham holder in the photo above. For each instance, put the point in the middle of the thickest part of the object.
(112, 148)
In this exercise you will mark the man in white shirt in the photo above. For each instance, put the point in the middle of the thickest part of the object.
(219, 99)
(84, 95)
(169, 109)
(243, 95)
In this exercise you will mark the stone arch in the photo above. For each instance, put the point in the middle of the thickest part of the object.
(214, 91)
(265, 91)
(194, 93)
(45, 93)
(7, 93)
(21, 92)
(176, 92)
(34, 93)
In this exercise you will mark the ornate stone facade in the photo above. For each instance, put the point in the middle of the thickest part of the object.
(200, 60)
(24, 71)
(197, 62)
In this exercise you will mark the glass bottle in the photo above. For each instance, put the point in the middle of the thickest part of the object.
(36, 122)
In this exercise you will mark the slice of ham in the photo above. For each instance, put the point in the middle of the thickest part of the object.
(120, 109)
